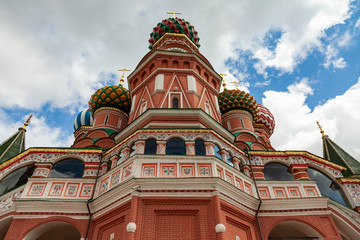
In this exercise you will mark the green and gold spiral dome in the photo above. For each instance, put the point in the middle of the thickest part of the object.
(236, 99)
(174, 25)
(111, 96)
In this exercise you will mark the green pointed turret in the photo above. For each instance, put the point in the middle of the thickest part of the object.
(14, 145)
(334, 153)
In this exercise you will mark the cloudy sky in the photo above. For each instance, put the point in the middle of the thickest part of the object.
(299, 58)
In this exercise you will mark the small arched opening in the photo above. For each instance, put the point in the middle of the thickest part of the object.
(55, 231)
(175, 146)
(293, 230)
(277, 171)
(150, 146)
(68, 168)
(4, 226)
(175, 102)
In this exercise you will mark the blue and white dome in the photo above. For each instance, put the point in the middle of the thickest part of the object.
(84, 118)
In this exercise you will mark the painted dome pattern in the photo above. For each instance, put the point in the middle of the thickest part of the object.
(237, 99)
(266, 118)
(111, 96)
(174, 25)
(84, 118)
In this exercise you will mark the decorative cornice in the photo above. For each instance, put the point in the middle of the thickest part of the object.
(349, 180)
(289, 153)
(51, 150)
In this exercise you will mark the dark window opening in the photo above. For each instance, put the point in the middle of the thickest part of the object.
(277, 171)
(175, 102)
(175, 146)
(326, 186)
(70, 168)
(199, 147)
(106, 119)
(150, 146)
(16, 179)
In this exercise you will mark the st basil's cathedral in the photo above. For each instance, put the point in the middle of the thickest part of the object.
(174, 157)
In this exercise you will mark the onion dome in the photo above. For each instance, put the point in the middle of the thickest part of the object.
(111, 96)
(84, 118)
(265, 118)
(237, 99)
(174, 25)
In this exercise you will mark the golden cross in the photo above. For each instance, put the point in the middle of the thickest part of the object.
(222, 79)
(321, 131)
(27, 122)
(236, 84)
(173, 13)
(123, 74)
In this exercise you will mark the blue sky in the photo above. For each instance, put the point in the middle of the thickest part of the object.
(298, 58)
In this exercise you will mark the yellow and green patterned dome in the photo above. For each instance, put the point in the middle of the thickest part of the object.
(111, 96)
(237, 99)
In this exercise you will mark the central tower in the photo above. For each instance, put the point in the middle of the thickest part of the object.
(174, 75)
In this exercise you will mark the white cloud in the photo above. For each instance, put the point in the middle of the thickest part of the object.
(263, 84)
(296, 127)
(332, 58)
(39, 134)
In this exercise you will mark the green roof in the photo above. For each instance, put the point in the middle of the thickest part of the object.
(334, 153)
(13, 146)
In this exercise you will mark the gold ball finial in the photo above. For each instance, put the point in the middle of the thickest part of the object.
(223, 80)
(321, 130)
(123, 74)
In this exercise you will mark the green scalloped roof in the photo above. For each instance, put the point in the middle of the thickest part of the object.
(334, 153)
(111, 96)
(13, 146)
(237, 99)
(174, 25)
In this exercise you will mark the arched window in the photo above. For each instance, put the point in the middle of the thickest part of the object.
(229, 160)
(150, 146)
(175, 102)
(277, 171)
(326, 186)
(199, 147)
(217, 151)
(175, 146)
(16, 179)
(69, 168)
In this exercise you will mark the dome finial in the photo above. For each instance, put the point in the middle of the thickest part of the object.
(27, 122)
(173, 13)
(122, 76)
(223, 80)
(236, 84)
(321, 131)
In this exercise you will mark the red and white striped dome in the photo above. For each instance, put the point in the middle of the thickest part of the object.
(265, 117)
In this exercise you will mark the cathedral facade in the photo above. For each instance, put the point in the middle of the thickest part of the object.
(173, 157)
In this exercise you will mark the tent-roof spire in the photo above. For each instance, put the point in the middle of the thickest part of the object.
(15, 144)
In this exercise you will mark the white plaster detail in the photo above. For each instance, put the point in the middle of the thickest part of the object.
(220, 228)
(228, 125)
(112, 236)
(191, 83)
(133, 101)
(159, 82)
(131, 227)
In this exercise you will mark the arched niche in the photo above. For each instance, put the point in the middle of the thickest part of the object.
(200, 147)
(150, 146)
(175, 146)
(293, 230)
(277, 172)
(16, 178)
(55, 231)
(67, 168)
